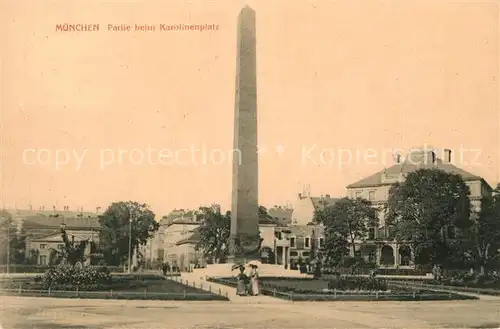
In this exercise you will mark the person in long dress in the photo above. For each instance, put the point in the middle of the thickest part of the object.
(254, 279)
(242, 281)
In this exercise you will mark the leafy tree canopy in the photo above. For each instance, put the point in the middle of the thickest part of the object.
(346, 222)
(486, 229)
(13, 236)
(214, 232)
(431, 209)
(116, 223)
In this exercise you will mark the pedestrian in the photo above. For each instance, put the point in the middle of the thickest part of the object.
(242, 282)
(254, 279)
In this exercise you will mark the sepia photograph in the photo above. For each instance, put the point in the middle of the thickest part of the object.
(249, 164)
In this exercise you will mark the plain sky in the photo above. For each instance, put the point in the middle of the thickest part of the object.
(366, 77)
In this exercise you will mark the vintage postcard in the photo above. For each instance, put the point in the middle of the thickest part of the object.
(249, 164)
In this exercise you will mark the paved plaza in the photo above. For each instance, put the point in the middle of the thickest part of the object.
(53, 313)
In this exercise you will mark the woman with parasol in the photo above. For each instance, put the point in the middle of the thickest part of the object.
(254, 280)
(241, 280)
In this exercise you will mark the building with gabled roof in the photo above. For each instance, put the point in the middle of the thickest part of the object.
(376, 187)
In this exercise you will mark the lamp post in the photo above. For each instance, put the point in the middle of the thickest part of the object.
(8, 248)
(8, 245)
(130, 244)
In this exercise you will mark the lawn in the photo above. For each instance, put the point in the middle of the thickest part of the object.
(306, 289)
(121, 287)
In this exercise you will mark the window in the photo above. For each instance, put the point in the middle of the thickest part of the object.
(320, 242)
(358, 194)
(43, 246)
(371, 233)
(292, 242)
(371, 195)
(60, 246)
(305, 254)
(294, 253)
(307, 242)
(43, 260)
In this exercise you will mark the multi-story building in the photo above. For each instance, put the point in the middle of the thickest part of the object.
(305, 207)
(281, 245)
(380, 247)
(283, 214)
(44, 233)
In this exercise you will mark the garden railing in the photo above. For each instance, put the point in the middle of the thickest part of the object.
(442, 287)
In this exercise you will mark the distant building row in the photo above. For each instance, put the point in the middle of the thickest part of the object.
(288, 235)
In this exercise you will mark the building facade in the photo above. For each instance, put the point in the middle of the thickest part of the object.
(379, 246)
(305, 207)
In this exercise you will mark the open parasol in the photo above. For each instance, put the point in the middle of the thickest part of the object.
(253, 263)
(236, 266)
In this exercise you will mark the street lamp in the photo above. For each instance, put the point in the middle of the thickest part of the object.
(8, 248)
(8, 244)
(130, 244)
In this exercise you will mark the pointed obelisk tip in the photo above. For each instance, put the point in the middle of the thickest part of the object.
(247, 8)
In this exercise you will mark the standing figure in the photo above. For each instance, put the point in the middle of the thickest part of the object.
(164, 269)
(254, 279)
(242, 281)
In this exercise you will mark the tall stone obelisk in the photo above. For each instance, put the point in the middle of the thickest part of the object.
(245, 239)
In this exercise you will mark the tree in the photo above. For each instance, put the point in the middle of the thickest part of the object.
(72, 252)
(121, 222)
(346, 222)
(214, 233)
(486, 232)
(16, 240)
(263, 214)
(430, 210)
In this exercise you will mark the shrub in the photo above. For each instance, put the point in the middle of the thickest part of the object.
(81, 278)
(358, 283)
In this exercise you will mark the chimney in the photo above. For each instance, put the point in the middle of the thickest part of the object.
(328, 196)
(300, 196)
(398, 158)
(97, 210)
(54, 208)
(447, 155)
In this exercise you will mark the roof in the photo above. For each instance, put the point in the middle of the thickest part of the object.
(57, 236)
(278, 212)
(305, 230)
(55, 222)
(269, 221)
(194, 238)
(407, 167)
(322, 202)
(179, 217)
